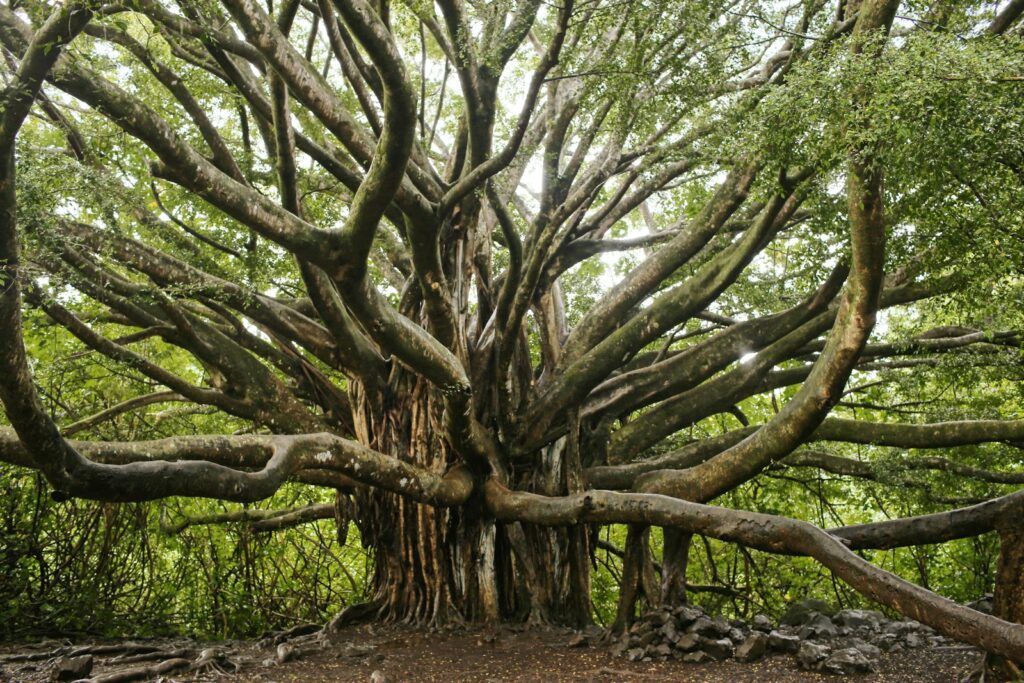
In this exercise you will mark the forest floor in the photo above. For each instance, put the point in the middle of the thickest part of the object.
(537, 655)
(394, 654)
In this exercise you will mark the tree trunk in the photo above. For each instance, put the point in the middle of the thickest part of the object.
(638, 577)
(553, 562)
(675, 558)
(1008, 601)
(436, 565)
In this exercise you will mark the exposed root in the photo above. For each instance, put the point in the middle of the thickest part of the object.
(353, 614)
(993, 669)
(77, 651)
(182, 653)
(143, 672)
(215, 660)
(618, 674)
(293, 632)
(113, 663)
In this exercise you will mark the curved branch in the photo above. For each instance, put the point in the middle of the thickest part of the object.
(214, 467)
(395, 145)
(934, 528)
(479, 174)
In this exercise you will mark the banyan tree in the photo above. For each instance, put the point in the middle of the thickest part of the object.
(502, 274)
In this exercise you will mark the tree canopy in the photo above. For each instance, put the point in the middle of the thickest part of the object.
(499, 275)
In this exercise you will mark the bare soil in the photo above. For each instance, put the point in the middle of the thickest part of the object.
(505, 654)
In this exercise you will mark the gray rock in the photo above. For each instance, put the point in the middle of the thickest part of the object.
(379, 676)
(858, 618)
(620, 647)
(914, 640)
(710, 628)
(72, 668)
(661, 651)
(811, 654)
(783, 642)
(761, 622)
(687, 642)
(702, 625)
(717, 649)
(358, 649)
(800, 612)
(722, 624)
(901, 627)
(982, 604)
(687, 614)
(753, 648)
(658, 617)
(696, 657)
(644, 639)
(846, 661)
(668, 631)
(867, 649)
(819, 627)
(736, 635)
(635, 654)
(886, 641)
(286, 653)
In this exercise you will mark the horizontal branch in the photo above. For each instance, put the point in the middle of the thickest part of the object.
(236, 468)
(866, 469)
(934, 435)
(939, 527)
(290, 518)
(261, 520)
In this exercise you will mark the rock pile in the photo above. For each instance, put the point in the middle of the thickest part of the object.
(821, 639)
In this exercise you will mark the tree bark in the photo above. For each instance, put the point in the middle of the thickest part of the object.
(1008, 600)
(436, 565)
(675, 559)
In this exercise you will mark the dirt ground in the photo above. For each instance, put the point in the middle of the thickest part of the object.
(532, 655)
(379, 654)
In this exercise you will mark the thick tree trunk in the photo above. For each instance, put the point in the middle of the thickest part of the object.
(435, 565)
(554, 561)
(432, 565)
